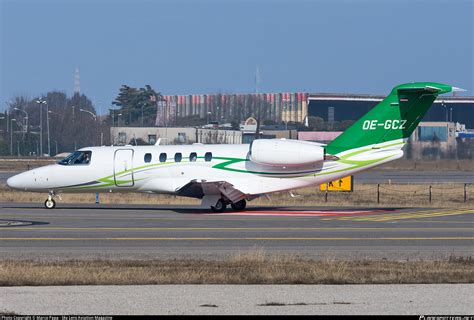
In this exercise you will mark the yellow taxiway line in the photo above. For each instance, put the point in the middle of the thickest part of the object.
(244, 238)
(403, 215)
(231, 229)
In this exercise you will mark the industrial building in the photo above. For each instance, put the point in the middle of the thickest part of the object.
(295, 107)
(278, 107)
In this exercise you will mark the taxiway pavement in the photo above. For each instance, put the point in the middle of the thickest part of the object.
(28, 231)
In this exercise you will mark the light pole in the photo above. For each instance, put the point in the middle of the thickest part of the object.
(26, 117)
(446, 109)
(93, 115)
(47, 126)
(89, 112)
(118, 119)
(113, 117)
(118, 125)
(52, 112)
(11, 135)
(40, 102)
(6, 114)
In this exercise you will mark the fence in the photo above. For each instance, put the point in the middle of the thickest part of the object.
(404, 194)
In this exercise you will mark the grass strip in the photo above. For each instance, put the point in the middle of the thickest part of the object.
(253, 267)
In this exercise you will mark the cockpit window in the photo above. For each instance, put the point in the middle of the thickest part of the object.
(77, 158)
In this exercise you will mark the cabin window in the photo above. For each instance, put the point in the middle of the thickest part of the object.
(177, 157)
(182, 137)
(193, 157)
(208, 156)
(77, 158)
(163, 157)
(147, 157)
(122, 138)
(151, 138)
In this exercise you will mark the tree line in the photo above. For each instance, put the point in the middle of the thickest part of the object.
(51, 124)
(55, 123)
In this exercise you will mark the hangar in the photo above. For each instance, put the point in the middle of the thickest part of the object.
(341, 107)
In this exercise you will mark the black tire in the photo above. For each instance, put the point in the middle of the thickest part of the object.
(50, 204)
(239, 205)
(220, 206)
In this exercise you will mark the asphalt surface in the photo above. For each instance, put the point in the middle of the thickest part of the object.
(28, 231)
(240, 299)
(381, 176)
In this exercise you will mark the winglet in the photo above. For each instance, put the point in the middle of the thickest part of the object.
(456, 89)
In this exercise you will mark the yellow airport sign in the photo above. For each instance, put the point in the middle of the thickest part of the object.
(343, 184)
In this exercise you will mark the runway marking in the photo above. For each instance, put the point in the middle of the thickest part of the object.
(191, 217)
(227, 229)
(440, 221)
(244, 239)
(287, 213)
(404, 215)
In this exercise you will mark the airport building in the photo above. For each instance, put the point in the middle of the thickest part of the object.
(295, 107)
(206, 134)
(341, 107)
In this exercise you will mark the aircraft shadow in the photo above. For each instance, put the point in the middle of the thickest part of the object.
(197, 209)
(23, 223)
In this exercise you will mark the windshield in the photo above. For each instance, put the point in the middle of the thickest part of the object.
(77, 158)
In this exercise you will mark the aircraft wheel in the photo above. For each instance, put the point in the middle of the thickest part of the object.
(220, 206)
(50, 204)
(239, 205)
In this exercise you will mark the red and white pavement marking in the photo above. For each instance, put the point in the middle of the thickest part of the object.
(301, 213)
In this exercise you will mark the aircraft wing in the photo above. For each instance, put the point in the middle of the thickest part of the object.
(199, 189)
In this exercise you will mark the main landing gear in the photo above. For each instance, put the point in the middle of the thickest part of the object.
(239, 205)
(221, 205)
(50, 203)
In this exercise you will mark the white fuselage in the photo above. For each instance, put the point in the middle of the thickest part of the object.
(132, 169)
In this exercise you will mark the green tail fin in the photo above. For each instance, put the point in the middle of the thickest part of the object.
(394, 118)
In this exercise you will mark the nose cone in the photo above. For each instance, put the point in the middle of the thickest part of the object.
(17, 181)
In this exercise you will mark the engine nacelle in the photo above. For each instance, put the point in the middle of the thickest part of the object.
(276, 152)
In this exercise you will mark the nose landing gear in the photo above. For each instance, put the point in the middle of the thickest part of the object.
(50, 203)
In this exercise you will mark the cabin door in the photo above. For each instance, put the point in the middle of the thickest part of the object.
(123, 168)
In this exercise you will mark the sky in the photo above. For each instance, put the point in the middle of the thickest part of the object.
(199, 46)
